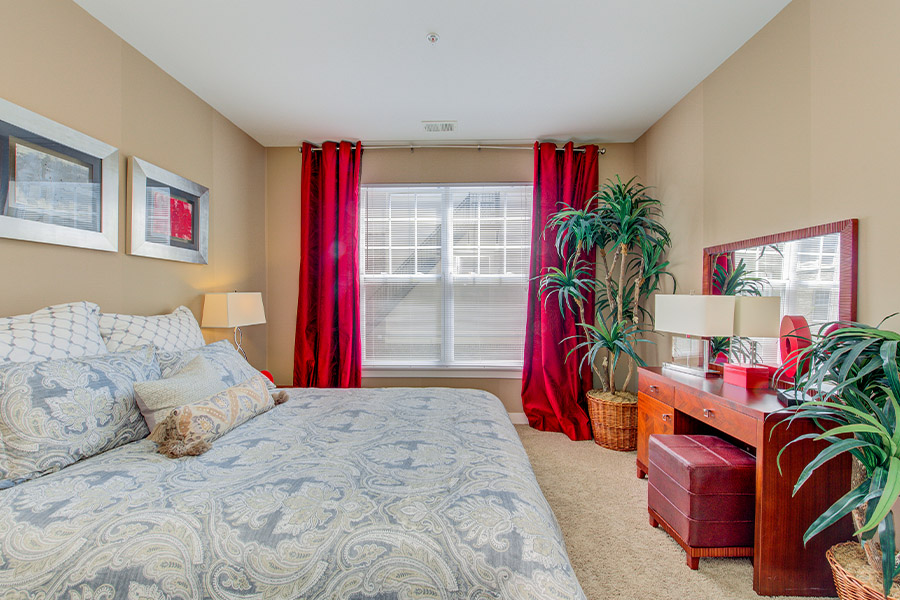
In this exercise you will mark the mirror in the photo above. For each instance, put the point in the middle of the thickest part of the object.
(812, 269)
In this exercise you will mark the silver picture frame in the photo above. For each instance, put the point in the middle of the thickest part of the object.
(107, 238)
(139, 243)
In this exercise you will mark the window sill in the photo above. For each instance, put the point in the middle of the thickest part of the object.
(426, 371)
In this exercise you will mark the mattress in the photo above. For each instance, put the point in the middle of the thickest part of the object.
(351, 494)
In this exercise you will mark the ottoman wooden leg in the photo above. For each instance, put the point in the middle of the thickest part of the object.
(693, 562)
(653, 521)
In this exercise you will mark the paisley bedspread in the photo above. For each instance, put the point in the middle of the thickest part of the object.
(388, 494)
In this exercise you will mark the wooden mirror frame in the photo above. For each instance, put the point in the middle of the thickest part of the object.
(849, 233)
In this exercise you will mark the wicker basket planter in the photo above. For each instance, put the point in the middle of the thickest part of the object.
(856, 581)
(613, 420)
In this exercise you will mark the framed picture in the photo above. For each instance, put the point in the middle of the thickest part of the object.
(57, 185)
(169, 214)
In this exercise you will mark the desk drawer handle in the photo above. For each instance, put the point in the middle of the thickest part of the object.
(654, 389)
(708, 413)
(666, 417)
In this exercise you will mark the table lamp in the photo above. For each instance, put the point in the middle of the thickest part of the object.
(754, 317)
(692, 318)
(233, 309)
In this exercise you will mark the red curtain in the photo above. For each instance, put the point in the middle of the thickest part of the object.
(327, 344)
(552, 396)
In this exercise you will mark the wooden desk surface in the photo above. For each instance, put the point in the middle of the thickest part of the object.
(755, 403)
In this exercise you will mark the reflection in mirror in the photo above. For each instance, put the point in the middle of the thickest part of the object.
(813, 270)
(804, 273)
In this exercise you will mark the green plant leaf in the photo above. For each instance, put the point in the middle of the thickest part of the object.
(888, 551)
(837, 511)
(889, 495)
(833, 450)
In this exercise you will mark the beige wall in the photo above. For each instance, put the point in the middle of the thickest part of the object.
(387, 166)
(799, 127)
(64, 65)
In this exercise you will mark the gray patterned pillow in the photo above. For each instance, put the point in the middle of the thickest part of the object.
(197, 381)
(230, 365)
(61, 331)
(56, 412)
(173, 332)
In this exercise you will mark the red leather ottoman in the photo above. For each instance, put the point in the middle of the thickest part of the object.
(702, 491)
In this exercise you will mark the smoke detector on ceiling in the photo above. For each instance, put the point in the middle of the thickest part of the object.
(432, 38)
(439, 126)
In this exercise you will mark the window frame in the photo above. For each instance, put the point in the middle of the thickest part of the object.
(442, 368)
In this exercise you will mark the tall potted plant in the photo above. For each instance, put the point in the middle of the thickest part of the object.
(621, 226)
(851, 374)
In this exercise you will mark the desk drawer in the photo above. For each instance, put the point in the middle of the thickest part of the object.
(653, 417)
(656, 388)
(716, 415)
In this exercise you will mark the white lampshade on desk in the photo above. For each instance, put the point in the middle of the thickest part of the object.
(695, 317)
(757, 316)
(233, 309)
(702, 316)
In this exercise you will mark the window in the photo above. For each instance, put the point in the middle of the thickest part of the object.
(444, 275)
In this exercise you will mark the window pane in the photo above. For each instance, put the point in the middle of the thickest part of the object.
(403, 322)
(465, 261)
(428, 261)
(403, 206)
(402, 233)
(491, 262)
(377, 234)
(428, 206)
(428, 234)
(376, 261)
(518, 232)
(491, 233)
(403, 261)
(517, 261)
(489, 321)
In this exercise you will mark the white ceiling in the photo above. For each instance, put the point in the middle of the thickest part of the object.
(289, 70)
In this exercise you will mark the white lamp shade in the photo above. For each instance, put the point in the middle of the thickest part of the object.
(757, 316)
(233, 309)
(703, 316)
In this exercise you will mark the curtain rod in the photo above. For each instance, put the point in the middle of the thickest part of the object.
(412, 147)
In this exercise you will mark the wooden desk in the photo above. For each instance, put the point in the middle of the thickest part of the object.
(672, 402)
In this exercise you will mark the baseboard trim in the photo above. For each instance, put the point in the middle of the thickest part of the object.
(518, 418)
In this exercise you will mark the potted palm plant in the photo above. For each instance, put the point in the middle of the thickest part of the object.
(851, 376)
(620, 226)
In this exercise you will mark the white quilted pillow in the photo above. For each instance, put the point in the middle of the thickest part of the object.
(171, 333)
(56, 332)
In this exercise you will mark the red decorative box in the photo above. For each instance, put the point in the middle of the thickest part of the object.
(752, 377)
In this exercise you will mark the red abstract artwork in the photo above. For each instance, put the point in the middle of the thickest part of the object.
(171, 217)
(182, 215)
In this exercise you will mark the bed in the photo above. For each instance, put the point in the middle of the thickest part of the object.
(389, 494)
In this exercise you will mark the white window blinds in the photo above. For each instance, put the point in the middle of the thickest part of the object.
(444, 274)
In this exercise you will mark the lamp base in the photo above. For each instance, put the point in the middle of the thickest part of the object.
(696, 371)
(751, 377)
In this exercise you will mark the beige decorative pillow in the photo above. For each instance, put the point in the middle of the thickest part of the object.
(198, 380)
(189, 430)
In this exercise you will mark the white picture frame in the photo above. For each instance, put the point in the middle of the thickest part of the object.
(55, 139)
(141, 238)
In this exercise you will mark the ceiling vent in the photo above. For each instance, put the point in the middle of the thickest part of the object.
(439, 126)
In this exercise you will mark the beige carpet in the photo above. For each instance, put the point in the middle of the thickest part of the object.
(602, 509)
